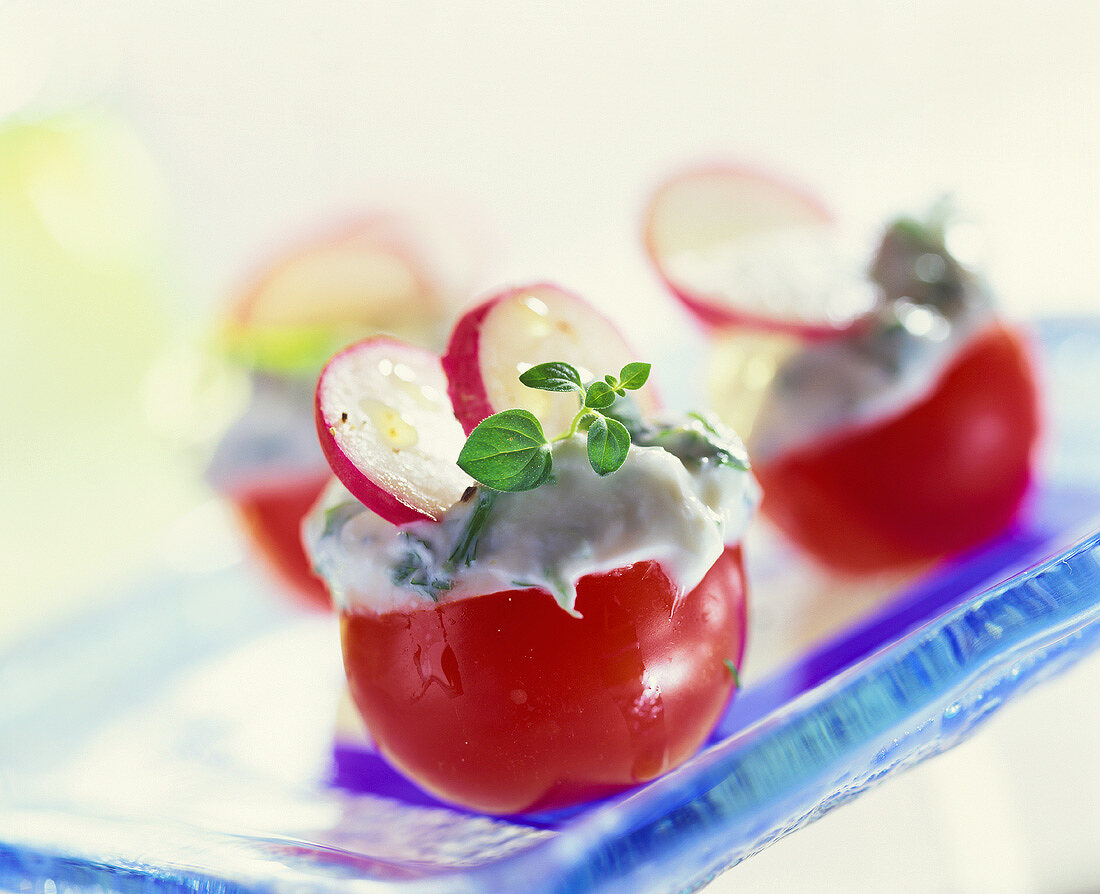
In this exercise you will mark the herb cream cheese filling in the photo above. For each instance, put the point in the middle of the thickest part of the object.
(855, 381)
(679, 509)
(930, 309)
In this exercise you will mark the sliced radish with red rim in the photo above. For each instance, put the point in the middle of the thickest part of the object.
(387, 429)
(742, 248)
(364, 269)
(501, 338)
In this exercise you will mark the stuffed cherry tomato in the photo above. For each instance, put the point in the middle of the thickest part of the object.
(950, 471)
(911, 437)
(506, 703)
(269, 469)
(374, 273)
(528, 623)
(895, 418)
(521, 652)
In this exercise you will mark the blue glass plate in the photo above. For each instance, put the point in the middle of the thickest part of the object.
(149, 748)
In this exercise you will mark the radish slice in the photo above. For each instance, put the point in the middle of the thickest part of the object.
(492, 344)
(388, 432)
(369, 275)
(740, 248)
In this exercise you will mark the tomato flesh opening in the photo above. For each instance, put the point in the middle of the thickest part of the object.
(506, 703)
(946, 474)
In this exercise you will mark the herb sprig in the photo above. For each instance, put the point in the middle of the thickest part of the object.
(420, 571)
(510, 452)
(414, 571)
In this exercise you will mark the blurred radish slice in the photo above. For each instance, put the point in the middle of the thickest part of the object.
(741, 248)
(498, 340)
(371, 274)
(387, 430)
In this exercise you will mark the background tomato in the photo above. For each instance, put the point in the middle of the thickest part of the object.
(273, 518)
(946, 474)
(506, 703)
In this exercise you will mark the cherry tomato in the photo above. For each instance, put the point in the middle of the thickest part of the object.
(506, 703)
(946, 474)
(273, 517)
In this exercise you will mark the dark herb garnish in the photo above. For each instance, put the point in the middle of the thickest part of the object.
(339, 515)
(414, 570)
(702, 439)
(913, 263)
(465, 550)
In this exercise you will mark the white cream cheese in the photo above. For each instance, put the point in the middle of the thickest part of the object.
(930, 309)
(653, 508)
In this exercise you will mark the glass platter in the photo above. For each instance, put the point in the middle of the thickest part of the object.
(147, 748)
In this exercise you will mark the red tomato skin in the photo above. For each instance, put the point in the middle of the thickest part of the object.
(945, 475)
(505, 703)
(272, 517)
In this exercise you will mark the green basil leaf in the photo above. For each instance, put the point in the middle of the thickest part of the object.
(634, 375)
(599, 396)
(626, 410)
(552, 376)
(508, 451)
(608, 443)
